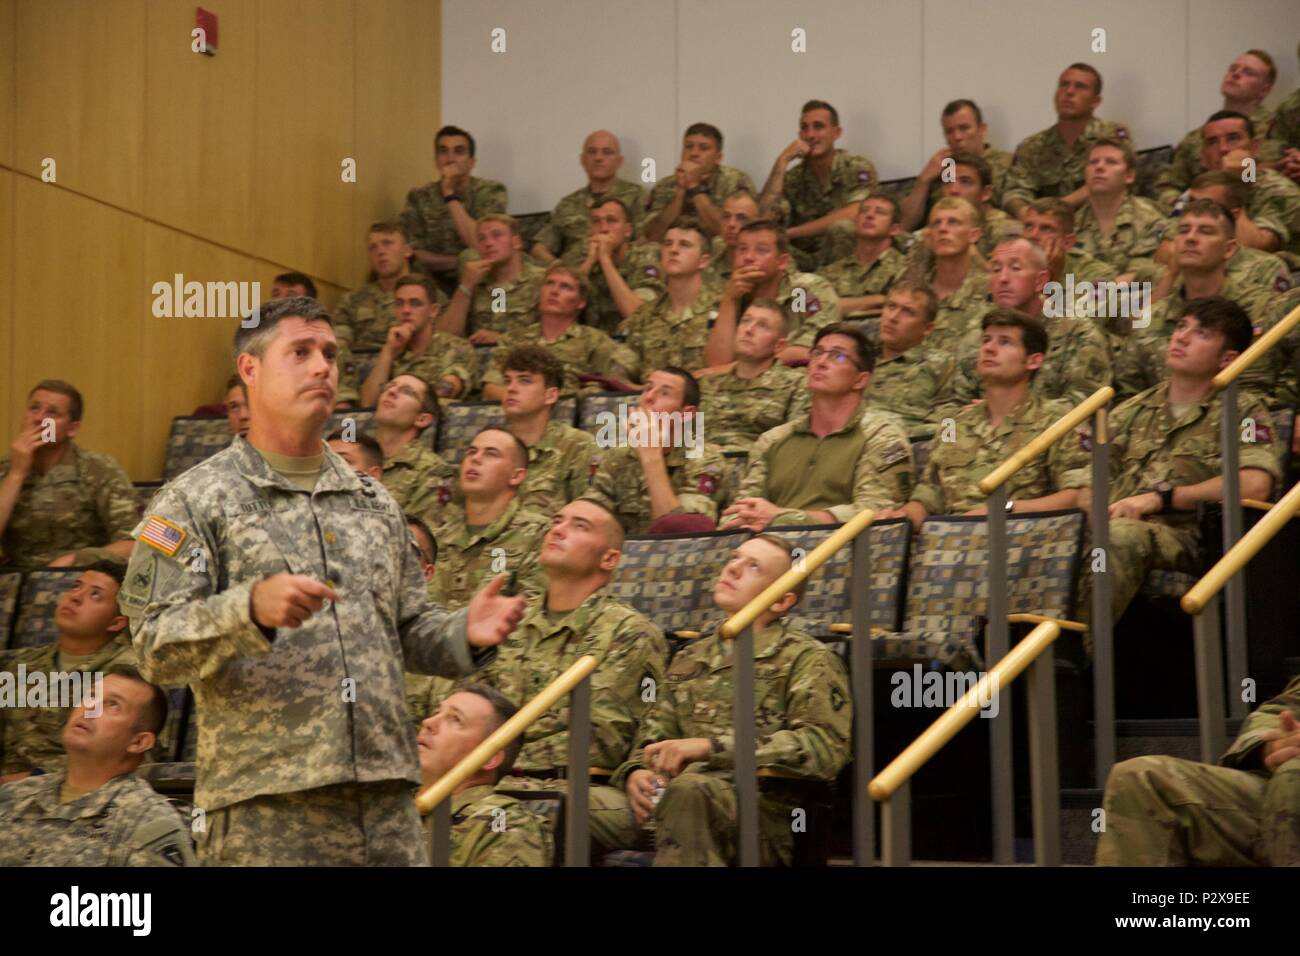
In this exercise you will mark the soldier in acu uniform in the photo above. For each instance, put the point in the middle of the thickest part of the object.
(96, 812)
(92, 638)
(305, 752)
(685, 747)
(487, 828)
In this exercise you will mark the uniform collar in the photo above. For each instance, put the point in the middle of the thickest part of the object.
(460, 526)
(459, 801)
(804, 422)
(335, 473)
(45, 797)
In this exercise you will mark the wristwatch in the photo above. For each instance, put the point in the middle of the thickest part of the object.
(1011, 506)
(696, 191)
(450, 196)
(1166, 492)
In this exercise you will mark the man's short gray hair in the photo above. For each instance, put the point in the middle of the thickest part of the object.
(259, 332)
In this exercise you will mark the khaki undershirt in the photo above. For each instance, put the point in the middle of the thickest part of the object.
(68, 793)
(1179, 409)
(302, 473)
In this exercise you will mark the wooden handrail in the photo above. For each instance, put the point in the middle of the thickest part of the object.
(796, 575)
(1251, 542)
(1040, 618)
(936, 736)
(1257, 504)
(996, 478)
(1257, 348)
(446, 785)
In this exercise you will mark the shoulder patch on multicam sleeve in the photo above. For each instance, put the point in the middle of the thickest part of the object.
(864, 176)
(652, 272)
(895, 453)
(1085, 437)
(1282, 283)
(162, 535)
(444, 492)
(708, 483)
(1263, 433)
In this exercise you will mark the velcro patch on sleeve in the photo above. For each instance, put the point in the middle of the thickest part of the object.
(161, 534)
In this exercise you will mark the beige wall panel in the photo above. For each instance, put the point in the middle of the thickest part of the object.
(8, 67)
(199, 141)
(80, 95)
(84, 323)
(304, 129)
(398, 80)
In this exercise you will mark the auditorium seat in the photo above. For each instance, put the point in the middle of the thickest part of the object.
(37, 604)
(360, 364)
(192, 441)
(827, 598)
(461, 421)
(593, 405)
(947, 583)
(144, 492)
(11, 583)
(670, 578)
(363, 419)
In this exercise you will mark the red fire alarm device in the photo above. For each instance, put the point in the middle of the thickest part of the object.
(204, 34)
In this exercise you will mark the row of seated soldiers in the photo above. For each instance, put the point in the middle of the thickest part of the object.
(70, 795)
(661, 727)
(813, 185)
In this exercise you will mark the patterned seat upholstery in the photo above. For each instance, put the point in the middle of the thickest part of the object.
(737, 464)
(461, 421)
(566, 410)
(826, 599)
(193, 440)
(37, 603)
(593, 405)
(144, 492)
(11, 584)
(670, 578)
(484, 355)
(897, 188)
(947, 587)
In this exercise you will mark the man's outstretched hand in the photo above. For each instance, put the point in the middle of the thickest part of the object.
(492, 616)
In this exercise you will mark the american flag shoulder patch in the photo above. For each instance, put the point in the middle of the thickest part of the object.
(161, 534)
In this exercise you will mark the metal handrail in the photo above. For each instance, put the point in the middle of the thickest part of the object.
(1213, 581)
(739, 629)
(891, 787)
(523, 718)
(1045, 440)
(797, 574)
(1257, 348)
(935, 737)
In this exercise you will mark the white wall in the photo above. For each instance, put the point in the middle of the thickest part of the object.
(647, 68)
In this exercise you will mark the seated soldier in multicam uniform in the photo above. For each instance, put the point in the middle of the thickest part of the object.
(697, 186)
(1115, 226)
(1164, 811)
(840, 458)
(561, 459)
(361, 451)
(756, 392)
(862, 277)
(414, 346)
(498, 288)
(685, 749)
(641, 480)
(964, 131)
(576, 615)
(487, 828)
(624, 274)
(954, 271)
(980, 437)
(414, 474)
(582, 349)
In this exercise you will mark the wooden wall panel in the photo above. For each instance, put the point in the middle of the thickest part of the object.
(398, 80)
(80, 86)
(8, 365)
(199, 142)
(8, 73)
(304, 128)
(79, 309)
